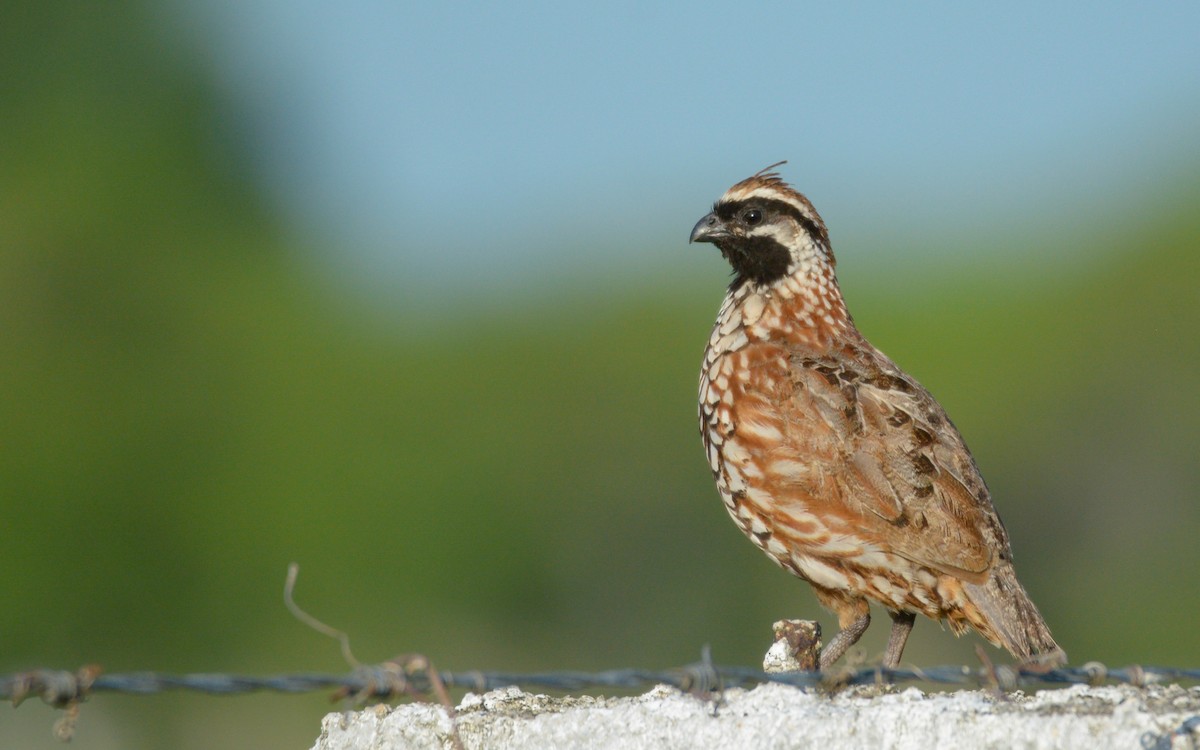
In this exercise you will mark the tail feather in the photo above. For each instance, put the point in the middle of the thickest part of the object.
(1010, 618)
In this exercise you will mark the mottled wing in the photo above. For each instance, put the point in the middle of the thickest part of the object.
(893, 464)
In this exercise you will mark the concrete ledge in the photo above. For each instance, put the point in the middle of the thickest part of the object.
(778, 716)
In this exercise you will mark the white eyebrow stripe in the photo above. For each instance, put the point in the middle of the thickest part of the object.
(758, 191)
(768, 193)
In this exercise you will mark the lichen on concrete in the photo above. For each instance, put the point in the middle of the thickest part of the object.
(778, 716)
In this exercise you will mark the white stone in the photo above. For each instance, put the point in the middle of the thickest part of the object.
(777, 716)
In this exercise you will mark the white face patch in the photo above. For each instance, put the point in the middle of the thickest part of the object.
(785, 233)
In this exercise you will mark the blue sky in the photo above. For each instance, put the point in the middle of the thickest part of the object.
(480, 143)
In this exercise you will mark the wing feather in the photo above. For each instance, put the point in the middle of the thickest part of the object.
(891, 461)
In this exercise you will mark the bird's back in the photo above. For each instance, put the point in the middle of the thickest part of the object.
(836, 463)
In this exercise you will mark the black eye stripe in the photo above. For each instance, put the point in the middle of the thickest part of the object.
(728, 210)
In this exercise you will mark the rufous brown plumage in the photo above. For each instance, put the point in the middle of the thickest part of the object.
(830, 458)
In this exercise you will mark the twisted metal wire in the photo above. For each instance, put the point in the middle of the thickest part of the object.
(412, 677)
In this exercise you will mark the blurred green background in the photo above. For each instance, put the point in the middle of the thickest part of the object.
(190, 400)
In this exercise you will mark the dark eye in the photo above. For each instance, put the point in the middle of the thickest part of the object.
(752, 216)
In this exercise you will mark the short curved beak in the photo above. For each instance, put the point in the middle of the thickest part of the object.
(708, 229)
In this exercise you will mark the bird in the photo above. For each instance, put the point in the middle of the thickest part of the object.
(836, 463)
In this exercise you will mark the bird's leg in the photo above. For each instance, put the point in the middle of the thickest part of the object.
(845, 638)
(902, 625)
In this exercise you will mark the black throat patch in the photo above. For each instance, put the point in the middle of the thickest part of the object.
(760, 259)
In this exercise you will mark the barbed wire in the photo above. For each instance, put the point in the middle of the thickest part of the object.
(414, 676)
(411, 676)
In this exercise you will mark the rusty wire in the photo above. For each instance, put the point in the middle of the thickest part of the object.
(411, 676)
(415, 676)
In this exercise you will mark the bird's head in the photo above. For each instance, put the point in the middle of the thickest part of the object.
(767, 230)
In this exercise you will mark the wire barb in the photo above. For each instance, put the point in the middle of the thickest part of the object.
(408, 676)
(289, 586)
(387, 680)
